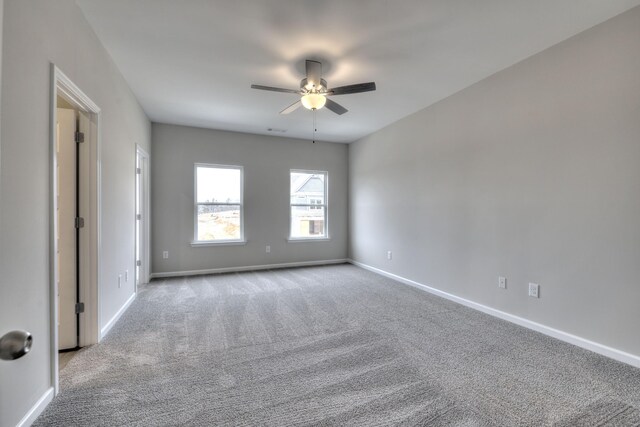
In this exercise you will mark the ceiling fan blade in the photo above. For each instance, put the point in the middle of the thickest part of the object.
(357, 88)
(275, 89)
(292, 107)
(335, 107)
(314, 72)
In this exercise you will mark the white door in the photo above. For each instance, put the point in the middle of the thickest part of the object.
(66, 239)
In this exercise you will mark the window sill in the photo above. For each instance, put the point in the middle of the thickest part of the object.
(308, 239)
(220, 243)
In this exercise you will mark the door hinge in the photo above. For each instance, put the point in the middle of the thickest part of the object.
(138, 263)
(79, 222)
(79, 137)
(138, 171)
(79, 307)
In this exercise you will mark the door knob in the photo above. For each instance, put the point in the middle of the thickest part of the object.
(15, 344)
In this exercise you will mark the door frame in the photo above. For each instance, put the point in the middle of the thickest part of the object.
(144, 211)
(62, 86)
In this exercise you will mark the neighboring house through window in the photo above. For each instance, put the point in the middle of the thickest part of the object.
(218, 207)
(308, 204)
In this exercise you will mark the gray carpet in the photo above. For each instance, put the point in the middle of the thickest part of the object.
(333, 345)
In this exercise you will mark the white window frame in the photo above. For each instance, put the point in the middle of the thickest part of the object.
(311, 206)
(220, 242)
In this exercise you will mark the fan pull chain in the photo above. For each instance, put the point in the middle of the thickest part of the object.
(314, 125)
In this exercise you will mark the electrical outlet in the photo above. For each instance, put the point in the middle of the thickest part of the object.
(119, 280)
(268, 249)
(389, 255)
(502, 282)
(165, 255)
(534, 290)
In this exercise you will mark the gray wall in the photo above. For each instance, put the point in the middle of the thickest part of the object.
(35, 33)
(534, 174)
(266, 161)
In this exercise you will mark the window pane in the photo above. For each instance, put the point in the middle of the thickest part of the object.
(307, 221)
(218, 185)
(218, 222)
(307, 188)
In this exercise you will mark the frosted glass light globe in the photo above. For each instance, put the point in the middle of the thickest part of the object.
(313, 101)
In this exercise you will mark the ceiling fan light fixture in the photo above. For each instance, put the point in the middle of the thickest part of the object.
(314, 91)
(313, 101)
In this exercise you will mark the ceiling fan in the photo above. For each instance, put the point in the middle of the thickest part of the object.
(314, 91)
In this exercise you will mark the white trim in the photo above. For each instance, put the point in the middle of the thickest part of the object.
(62, 86)
(308, 239)
(195, 201)
(36, 409)
(247, 268)
(325, 205)
(116, 316)
(53, 232)
(602, 349)
(69, 91)
(145, 211)
(205, 243)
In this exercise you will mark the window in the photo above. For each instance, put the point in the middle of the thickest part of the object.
(315, 202)
(218, 207)
(308, 205)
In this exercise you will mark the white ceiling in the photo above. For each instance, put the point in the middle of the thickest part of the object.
(191, 62)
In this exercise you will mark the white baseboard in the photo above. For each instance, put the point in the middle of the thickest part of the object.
(36, 409)
(105, 330)
(247, 268)
(604, 350)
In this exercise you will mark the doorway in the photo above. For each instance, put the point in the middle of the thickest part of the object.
(142, 217)
(74, 204)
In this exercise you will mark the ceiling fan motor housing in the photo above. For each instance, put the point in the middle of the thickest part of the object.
(310, 86)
